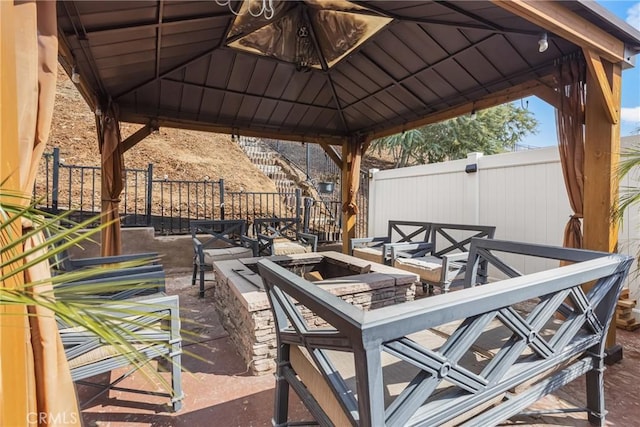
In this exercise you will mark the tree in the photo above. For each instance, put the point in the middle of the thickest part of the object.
(492, 131)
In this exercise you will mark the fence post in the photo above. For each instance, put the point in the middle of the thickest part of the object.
(55, 179)
(308, 201)
(221, 183)
(149, 192)
(371, 200)
(298, 206)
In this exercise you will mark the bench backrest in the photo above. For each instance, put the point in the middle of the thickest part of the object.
(408, 231)
(522, 327)
(451, 238)
(280, 227)
(229, 231)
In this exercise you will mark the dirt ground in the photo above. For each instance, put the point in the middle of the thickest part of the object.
(176, 154)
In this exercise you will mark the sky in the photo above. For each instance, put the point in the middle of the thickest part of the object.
(630, 115)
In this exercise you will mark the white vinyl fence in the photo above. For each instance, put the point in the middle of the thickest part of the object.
(521, 193)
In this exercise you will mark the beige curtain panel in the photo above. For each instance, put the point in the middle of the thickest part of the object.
(112, 179)
(570, 77)
(36, 383)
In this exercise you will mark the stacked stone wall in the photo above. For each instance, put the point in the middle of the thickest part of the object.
(253, 332)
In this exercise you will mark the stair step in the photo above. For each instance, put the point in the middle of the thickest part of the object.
(263, 157)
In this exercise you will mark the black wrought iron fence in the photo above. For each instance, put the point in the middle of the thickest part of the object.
(172, 204)
(169, 205)
(251, 205)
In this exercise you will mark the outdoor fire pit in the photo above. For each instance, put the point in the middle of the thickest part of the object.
(244, 308)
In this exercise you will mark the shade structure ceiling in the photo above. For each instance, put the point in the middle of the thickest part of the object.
(323, 70)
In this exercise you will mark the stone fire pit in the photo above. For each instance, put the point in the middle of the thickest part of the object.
(244, 308)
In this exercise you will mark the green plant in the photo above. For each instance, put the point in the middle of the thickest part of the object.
(629, 195)
(329, 177)
(75, 306)
(490, 131)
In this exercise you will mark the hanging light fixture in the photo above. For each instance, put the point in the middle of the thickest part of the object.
(255, 8)
(474, 114)
(543, 43)
(311, 34)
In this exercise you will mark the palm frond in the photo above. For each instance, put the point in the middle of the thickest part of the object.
(67, 299)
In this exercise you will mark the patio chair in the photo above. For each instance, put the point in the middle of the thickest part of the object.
(377, 249)
(62, 261)
(280, 236)
(119, 284)
(442, 260)
(216, 240)
(151, 325)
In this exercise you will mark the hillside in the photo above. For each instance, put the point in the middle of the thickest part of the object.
(177, 154)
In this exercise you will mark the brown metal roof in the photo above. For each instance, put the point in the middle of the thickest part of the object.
(168, 61)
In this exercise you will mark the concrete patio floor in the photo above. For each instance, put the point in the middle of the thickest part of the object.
(220, 392)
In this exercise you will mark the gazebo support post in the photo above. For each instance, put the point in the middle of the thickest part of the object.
(353, 149)
(112, 149)
(348, 218)
(604, 55)
(602, 153)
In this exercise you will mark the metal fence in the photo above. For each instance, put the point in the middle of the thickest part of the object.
(169, 205)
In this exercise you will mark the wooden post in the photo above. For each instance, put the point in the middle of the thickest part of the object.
(602, 153)
(348, 219)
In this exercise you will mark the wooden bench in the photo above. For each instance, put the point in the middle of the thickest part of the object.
(216, 240)
(474, 357)
(376, 249)
(442, 259)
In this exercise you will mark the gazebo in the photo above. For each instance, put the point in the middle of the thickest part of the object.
(343, 73)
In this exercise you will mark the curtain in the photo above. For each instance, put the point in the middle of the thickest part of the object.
(112, 179)
(50, 397)
(570, 77)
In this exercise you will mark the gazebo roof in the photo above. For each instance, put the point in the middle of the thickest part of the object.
(170, 63)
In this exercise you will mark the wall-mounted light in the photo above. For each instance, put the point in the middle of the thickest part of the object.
(543, 43)
(473, 167)
(98, 112)
(75, 76)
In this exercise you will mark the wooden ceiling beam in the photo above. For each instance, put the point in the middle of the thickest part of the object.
(138, 136)
(597, 71)
(206, 127)
(548, 95)
(332, 153)
(555, 18)
(498, 98)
